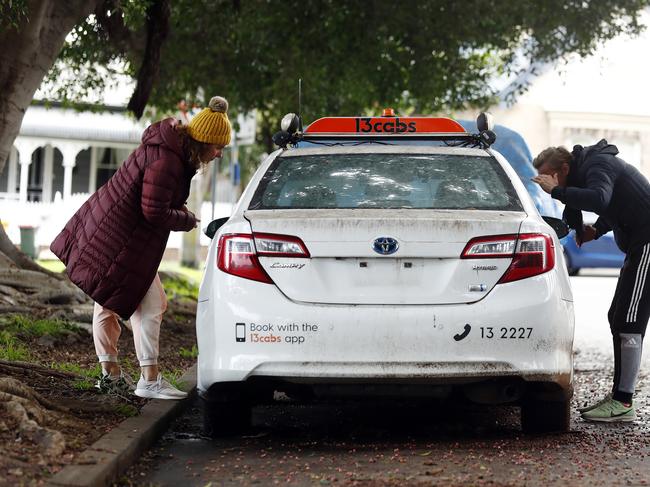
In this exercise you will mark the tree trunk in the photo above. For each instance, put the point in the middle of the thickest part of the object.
(27, 54)
(266, 133)
(10, 256)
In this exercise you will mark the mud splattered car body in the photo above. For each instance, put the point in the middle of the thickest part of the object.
(386, 262)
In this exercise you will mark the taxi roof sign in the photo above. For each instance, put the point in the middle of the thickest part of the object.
(388, 127)
(385, 126)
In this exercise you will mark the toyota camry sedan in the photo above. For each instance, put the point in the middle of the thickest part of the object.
(385, 256)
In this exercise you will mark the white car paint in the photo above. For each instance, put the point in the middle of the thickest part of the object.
(312, 324)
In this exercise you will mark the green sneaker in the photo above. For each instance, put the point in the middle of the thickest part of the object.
(122, 386)
(611, 411)
(594, 406)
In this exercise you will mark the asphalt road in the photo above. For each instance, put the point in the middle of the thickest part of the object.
(390, 444)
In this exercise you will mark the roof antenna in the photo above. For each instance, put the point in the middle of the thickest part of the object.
(299, 104)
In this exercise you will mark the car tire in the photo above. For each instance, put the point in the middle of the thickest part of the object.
(225, 418)
(572, 271)
(539, 416)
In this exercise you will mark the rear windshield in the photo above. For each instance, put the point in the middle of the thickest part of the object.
(421, 181)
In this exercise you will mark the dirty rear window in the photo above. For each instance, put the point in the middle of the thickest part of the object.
(420, 181)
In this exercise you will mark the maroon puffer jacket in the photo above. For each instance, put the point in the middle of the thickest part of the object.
(113, 245)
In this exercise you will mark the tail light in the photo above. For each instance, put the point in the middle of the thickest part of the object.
(532, 253)
(274, 245)
(238, 253)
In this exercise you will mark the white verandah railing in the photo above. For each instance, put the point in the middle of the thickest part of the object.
(49, 218)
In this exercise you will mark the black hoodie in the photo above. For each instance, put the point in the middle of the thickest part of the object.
(600, 182)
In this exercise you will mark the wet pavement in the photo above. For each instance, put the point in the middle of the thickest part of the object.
(416, 443)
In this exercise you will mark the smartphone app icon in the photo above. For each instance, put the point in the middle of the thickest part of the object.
(240, 332)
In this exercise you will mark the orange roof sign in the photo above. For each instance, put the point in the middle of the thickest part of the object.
(385, 125)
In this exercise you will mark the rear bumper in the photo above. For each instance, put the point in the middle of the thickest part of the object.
(521, 329)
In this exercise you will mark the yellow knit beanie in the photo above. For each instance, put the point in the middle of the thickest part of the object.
(211, 125)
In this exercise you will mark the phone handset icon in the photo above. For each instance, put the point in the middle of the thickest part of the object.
(458, 337)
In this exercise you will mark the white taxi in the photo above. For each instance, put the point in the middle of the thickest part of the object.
(385, 256)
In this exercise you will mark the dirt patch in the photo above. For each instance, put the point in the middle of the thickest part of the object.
(43, 433)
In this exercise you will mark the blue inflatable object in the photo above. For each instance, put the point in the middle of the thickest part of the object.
(513, 147)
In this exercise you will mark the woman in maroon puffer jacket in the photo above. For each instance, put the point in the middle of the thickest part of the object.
(113, 244)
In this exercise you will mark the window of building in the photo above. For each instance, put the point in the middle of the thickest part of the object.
(107, 165)
(35, 177)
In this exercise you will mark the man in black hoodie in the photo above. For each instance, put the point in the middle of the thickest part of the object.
(594, 179)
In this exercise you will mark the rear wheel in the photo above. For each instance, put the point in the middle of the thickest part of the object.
(225, 418)
(539, 416)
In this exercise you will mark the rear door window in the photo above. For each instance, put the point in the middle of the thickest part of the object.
(380, 180)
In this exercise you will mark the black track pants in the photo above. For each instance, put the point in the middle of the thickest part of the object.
(628, 318)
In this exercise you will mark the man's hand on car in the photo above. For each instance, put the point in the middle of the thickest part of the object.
(588, 234)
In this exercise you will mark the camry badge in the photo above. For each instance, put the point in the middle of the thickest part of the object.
(385, 245)
(477, 267)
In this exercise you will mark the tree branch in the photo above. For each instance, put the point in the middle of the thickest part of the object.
(157, 30)
(110, 18)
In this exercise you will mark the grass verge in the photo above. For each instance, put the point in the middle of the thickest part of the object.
(178, 286)
(12, 349)
(189, 352)
(174, 377)
(193, 276)
(18, 324)
(88, 376)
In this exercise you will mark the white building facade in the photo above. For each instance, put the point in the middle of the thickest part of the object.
(64, 151)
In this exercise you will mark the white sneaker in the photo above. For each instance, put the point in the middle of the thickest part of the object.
(158, 389)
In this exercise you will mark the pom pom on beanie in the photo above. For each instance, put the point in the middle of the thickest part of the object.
(211, 125)
(218, 104)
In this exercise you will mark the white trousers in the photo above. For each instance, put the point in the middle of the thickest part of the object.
(145, 323)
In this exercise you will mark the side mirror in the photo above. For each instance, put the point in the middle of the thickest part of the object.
(561, 228)
(214, 226)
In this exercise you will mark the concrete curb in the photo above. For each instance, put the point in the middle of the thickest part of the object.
(110, 456)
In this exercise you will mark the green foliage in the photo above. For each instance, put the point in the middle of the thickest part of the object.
(189, 353)
(192, 275)
(174, 378)
(28, 326)
(12, 13)
(94, 59)
(52, 265)
(11, 349)
(354, 57)
(89, 373)
(83, 384)
(135, 13)
(126, 410)
(176, 286)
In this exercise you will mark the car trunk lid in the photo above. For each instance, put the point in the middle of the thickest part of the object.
(347, 266)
